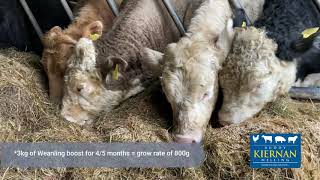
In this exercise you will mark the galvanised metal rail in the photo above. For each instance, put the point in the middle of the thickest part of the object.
(113, 6)
(174, 16)
(32, 18)
(305, 93)
(317, 3)
(237, 5)
(67, 9)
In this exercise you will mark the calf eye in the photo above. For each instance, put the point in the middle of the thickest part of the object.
(79, 88)
(205, 96)
(259, 86)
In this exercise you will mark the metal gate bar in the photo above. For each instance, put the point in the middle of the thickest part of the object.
(237, 5)
(178, 22)
(67, 9)
(317, 3)
(174, 17)
(305, 93)
(32, 18)
(113, 6)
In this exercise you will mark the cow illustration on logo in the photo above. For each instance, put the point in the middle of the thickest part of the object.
(267, 138)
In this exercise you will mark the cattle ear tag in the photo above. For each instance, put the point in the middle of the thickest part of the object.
(308, 32)
(115, 73)
(244, 24)
(94, 37)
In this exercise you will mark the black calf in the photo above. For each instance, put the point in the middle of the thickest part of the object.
(309, 62)
(284, 20)
(13, 27)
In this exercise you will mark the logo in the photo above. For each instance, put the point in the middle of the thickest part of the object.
(275, 150)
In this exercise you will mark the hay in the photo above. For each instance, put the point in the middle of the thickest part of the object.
(26, 115)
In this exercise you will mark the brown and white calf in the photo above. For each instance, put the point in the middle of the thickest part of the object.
(116, 74)
(58, 44)
(189, 68)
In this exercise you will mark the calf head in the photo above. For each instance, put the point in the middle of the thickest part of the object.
(252, 76)
(189, 71)
(86, 93)
(58, 47)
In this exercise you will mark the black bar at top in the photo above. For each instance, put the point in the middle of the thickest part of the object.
(113, 6)
(175, 17)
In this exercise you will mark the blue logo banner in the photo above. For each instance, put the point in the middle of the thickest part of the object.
(275, 150)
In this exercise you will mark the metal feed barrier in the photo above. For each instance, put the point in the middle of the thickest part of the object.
(238, 7)
(67, 9)
(32, 18)
(174, 17)
(317, 3)
(113, 6)
(305, 93)
(236, 3)
(35, 24)
(295, 92)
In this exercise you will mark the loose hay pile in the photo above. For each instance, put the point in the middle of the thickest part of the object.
(26, 115)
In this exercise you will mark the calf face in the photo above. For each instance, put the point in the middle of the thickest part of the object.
(82, 84)
(189, 77)
(252, 76)
(85, 92)
(58, 47)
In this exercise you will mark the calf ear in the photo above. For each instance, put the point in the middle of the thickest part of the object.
(114, 61)
(55, 37)
(115, 66)
(152, 61)
(225, 39)
(93, 28)
(48, 40)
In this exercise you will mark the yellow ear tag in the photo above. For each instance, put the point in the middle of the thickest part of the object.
(94, 37)
(308, 32)
(115, 73)
(244, 24)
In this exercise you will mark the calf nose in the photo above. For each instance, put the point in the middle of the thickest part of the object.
(185, 139)
(225, 118)
(182, 140)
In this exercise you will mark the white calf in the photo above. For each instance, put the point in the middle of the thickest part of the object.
(252, 76)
